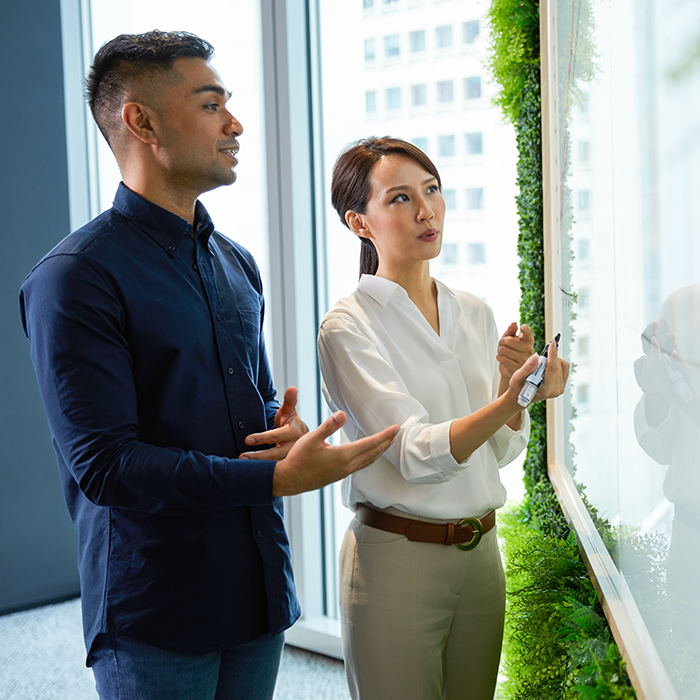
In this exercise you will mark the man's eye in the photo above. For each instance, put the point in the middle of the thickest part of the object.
(213, 107)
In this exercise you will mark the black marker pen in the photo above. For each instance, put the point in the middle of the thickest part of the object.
(534, 379)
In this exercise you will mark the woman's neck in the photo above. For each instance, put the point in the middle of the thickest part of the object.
(419, 286)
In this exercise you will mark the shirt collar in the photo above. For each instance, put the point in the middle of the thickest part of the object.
(164, 227)
(381, 289)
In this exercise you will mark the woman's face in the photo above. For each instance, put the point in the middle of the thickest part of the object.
(404, 214)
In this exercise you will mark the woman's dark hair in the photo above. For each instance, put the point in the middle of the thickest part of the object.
(351, 183)
(127, 62)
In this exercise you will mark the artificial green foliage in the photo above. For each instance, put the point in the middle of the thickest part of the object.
(515, 49)
(557, 643)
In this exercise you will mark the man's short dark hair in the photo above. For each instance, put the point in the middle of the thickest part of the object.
(126, 67)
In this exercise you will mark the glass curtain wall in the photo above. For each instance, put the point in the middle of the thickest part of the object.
(629, 99)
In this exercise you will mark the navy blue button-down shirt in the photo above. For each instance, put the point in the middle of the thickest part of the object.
(146, 337)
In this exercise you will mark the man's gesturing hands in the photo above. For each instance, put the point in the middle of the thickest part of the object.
(305, 460)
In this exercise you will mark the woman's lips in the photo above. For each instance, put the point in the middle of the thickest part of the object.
(429, 235)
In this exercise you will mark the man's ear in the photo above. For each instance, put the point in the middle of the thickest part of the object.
(356, 223)
(139, 120)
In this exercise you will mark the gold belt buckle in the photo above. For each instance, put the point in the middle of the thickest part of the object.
(476, 538)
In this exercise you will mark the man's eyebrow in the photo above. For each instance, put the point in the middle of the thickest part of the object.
(212, 88)
(403, 187)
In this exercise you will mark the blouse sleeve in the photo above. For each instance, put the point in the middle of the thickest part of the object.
(359, 381)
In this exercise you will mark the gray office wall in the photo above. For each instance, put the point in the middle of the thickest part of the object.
(38, 544)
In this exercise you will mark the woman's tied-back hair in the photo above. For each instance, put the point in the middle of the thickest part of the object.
(131, 67)
(352, 182)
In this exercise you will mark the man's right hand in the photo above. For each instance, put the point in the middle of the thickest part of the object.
(312, 463)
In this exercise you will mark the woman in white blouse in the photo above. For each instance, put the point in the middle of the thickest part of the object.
(422, 590)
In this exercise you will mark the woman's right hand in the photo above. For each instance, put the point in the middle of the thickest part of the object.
(555, 376)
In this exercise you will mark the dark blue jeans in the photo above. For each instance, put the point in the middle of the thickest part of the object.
(126, 669)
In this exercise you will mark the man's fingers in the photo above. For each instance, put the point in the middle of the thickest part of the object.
(272, 454)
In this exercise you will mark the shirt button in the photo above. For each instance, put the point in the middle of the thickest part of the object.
(241, 424)
(218, 317)
(171, 248)
(259, 533)
(230, 370)
(195, 266)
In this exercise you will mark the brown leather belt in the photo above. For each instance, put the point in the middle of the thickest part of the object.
(465, 534)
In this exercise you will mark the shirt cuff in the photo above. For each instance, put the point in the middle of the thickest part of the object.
(249, 482)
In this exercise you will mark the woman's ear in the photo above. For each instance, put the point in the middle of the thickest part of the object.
(138, 119)
(356, 224)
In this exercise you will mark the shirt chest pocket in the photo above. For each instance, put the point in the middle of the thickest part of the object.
(249, 334)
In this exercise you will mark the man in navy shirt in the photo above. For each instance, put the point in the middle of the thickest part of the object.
(146, 335)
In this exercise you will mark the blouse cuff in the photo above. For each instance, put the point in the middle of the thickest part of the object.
(440, 450)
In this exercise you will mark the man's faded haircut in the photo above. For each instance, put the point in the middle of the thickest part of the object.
(128, 67)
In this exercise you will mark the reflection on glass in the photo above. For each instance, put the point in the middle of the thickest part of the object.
(433, 93)
(629, 98)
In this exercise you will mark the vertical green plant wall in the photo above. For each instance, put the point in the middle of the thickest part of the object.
(558, 643)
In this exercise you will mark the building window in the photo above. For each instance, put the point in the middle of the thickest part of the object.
(369, 50)
(473, 143)
(472, 88)
(584, 201)
(583, 344)
(584, 298)
(470, 31)
(584, 250)
(584, 151)
(416, 41)
(475, 198)
(421, 143)
(476, 253)
(583, 398)
(446, 146)
(445, 91)
(391, 45)
(450, 197)
(391, 2)
(371, 101)
(419, 95)
(367, 4)
(443, 37)
(448, 255)
(393, 98)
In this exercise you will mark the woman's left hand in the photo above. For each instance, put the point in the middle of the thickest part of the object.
(514, 350)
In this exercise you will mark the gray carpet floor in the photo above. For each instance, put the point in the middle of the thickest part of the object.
(42, 657)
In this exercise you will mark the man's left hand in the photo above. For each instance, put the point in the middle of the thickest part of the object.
(288, 429)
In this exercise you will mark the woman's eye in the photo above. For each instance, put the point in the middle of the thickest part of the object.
(433, 189)
(400, 198)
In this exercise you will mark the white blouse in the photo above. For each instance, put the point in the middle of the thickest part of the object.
(382, 363)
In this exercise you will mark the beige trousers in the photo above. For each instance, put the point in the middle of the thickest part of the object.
(420, 621)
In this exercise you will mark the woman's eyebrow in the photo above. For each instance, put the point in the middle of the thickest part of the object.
(403, 187)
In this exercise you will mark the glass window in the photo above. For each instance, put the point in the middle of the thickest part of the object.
(475, 198)
(446, 146)
(582, 346)
(443, 37)
(584, 250)
(391, 45)
(445, 91)
(393, 98)
(473, 143)
(450, 197)
(370, 101)
(584, 151)
(421, 142)
(366, 4)
(416, 41)
(369, 50)
(470, 31)
(584, 201)
(584, 298)
(419, 95)
(472, 88)
(476, 253)
(448, 255)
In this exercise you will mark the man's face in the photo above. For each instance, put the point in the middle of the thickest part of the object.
(197, 139)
